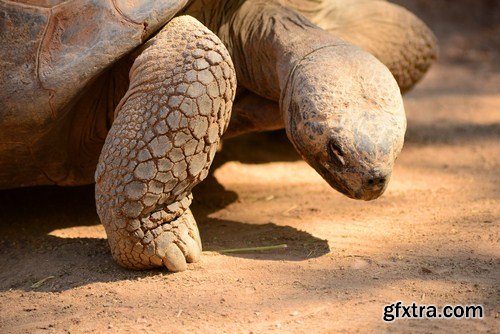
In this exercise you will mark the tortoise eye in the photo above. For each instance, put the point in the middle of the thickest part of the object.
(336, 154)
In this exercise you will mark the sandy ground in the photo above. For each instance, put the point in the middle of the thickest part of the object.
(433, 238)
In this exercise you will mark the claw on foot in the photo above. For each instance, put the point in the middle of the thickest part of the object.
(180, 243)
(164, 242)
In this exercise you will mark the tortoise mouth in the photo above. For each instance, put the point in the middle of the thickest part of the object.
(369, 188)
(333, 179)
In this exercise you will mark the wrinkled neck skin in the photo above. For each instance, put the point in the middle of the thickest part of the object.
(341, 107)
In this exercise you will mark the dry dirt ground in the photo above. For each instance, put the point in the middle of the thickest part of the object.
(433, 238)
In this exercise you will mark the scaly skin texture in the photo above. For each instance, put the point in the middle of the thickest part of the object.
(162, 142)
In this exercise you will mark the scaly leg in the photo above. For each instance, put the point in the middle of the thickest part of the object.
(164, 137)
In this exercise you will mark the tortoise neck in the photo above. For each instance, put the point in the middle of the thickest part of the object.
(265, 40)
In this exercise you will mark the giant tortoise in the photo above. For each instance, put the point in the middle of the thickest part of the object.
(136, 96)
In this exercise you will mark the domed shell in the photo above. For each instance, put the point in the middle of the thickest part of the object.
(51, 50)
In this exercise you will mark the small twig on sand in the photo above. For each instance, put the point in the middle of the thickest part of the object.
(253, 249)
(40, 282)
(287, 211)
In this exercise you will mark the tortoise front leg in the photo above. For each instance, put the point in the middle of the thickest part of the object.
(164, 137)
(252, 113)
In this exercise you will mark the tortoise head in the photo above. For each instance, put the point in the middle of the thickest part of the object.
(344, 114)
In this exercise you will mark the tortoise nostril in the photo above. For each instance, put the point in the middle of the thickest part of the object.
(377, 181)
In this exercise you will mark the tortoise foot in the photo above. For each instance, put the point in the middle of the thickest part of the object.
(172, 243)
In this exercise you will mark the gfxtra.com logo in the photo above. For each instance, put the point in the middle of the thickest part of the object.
(398, 310)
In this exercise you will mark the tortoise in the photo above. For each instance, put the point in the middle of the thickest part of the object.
(136, 96)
